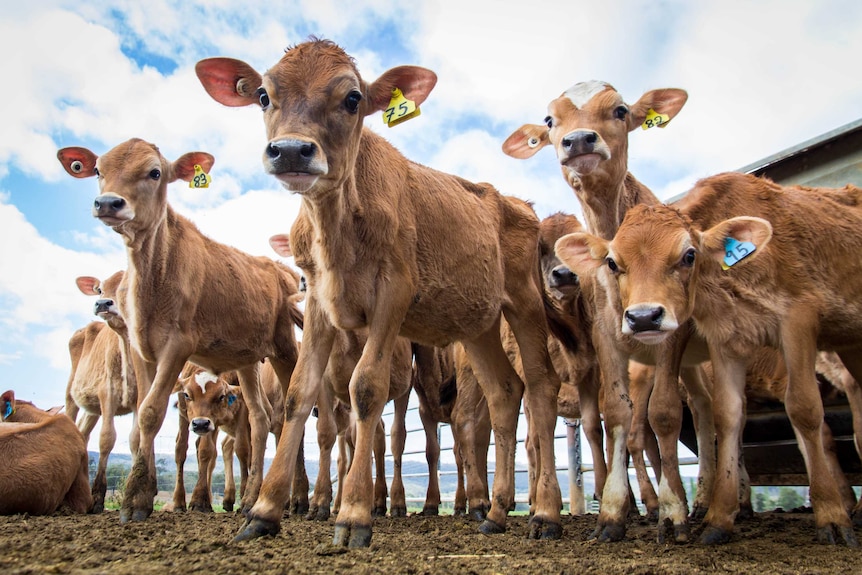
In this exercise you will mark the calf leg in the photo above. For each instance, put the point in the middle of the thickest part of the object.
(265, 516)
(665, 417)
(180, 450)
(432, 458)
(503, 390)
(299, 490)
(107, 439)
(398, 505)
(641, 379)
(259, 420)
(379, 449)
(852, 360)
(228, 446)
(201, 500)
(805, 410)
(591, 422)
(700, 404)
(86, 424)
(326, 436)
(141, 489)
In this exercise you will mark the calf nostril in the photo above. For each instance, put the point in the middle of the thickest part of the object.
(591, 138)
(307, 150)
(272, 151)
(117, 203)
(568, 142)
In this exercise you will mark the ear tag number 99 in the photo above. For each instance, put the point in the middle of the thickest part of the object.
(201, 178)
(734, 251)
(400, 109)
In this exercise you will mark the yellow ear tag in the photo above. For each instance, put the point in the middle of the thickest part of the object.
(201, 179)
(654, 119)
(400, 109)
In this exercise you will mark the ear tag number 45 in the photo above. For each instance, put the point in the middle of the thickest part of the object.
(654, 119)
(201, 179)
(734, 251)
(400, 109)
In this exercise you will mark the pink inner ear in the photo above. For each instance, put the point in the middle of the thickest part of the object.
(280, 243)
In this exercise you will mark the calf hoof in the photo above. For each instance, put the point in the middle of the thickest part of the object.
(135, 515)
(698, 512)
(606, 533)
(227, 506)
(746, 513)
(479, 512)
(395, 512)
(98, 507)
(857, 518)
(317, 514)
(201, 507)
(714, 536)
(827, 535)
(652, 515)
(255, 528)
(489, 527)
(431, 511)
(352, 536)
(544, 529)
(459, 512)
(299, 508)
(379, 511)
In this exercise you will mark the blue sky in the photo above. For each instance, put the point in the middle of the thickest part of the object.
(761, 77)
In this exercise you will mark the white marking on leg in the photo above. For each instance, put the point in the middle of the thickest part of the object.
(616, 492)
(669, 505)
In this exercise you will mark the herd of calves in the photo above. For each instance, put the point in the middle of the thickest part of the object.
(416, 279)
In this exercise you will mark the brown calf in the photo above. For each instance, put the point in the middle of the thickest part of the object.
(187, 298)
(102, 382)
(588, 127)
(793, 291)
(398, 248)
(45, 462)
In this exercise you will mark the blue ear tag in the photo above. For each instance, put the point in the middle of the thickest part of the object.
(8, 410)
(230, 399)
(734, 251)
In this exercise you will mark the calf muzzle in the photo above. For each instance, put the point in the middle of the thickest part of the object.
(645, 319)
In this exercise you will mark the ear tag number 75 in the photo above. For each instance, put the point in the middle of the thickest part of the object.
(735, 250)
(400, 109)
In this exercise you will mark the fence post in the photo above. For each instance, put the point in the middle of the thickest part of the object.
(577, 506)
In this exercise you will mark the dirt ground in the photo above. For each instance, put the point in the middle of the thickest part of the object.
(771, 543)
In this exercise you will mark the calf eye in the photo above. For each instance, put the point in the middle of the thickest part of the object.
(263, 98)
(222, 397)
(156, 174)
(688, 258)
(549, 121)
(96, 171)
(612, 265)
(620, 112)
(351, 102)
(186, 396)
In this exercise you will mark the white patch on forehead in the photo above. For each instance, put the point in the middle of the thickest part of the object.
(205, 377)
(582, 92)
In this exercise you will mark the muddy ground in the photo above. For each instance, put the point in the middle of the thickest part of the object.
(197, 543)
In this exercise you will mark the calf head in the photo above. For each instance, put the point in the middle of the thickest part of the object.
(314, 102)
(588, 126)
(210, 400)
(106, 306)
(133, 181)
(655, 260)
(559, 280)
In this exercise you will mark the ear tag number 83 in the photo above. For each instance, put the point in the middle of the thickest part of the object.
(201, 178)
(400, 109)
(734, 251)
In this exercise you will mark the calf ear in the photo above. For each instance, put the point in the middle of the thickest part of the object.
(526, 141)
(88, 285)
(78, 162)
(7, 404)
(668, 101)
(743, 229)
(582, 253)
(184, 167)
(229, 82)
(280, 243)
(414, 82)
